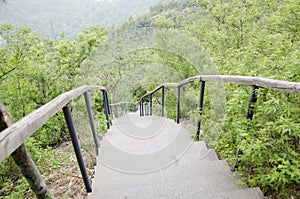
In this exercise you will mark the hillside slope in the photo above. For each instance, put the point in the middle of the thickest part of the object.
(51, 17)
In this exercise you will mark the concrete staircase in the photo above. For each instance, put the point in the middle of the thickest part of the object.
(153, 157)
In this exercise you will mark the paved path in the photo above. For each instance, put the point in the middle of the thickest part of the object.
(153, 157)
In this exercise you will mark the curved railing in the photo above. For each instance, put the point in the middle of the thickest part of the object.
(254, 82)
(280, 85)
(15, 135)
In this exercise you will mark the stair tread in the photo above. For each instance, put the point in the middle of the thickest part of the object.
(168, 164)
(249, 193)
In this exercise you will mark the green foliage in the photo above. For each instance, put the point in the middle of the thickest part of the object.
(166, 14)
(16, 189)
(37, 70)
(271, 152)
(33, 72)
(163, 22)
(257, 38)
(138, 93)
(13, 185)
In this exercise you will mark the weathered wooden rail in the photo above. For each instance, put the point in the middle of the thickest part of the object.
(279, 85)
(119, 109)
(255, 82)
(15, 135)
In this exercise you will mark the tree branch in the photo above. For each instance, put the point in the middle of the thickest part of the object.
(7, 72)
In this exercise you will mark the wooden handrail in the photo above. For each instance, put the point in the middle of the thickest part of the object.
(279, 85)
(119, 103)
(14, 136)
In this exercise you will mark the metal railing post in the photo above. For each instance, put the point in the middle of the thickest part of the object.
(117, 111)
(140, 104)
(178, 105)
(91, 118)
(142, 107)
(252, 100)
(249, 116)
(162, 101)
(108, 108)
(200, 108)
(76, 145)
(151, 110)
(121, 109)
(105, 104)
(110, 111)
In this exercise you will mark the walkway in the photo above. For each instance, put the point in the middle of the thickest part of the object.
(153, 157)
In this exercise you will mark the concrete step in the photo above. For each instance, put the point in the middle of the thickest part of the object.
(197, 180)
(162, 161)
(142, 156)
(192, 174)
(147, 158)
(141, 127)
(204, 152)
(141, 145)
(125, 153)
(208, 154)
(248, 193)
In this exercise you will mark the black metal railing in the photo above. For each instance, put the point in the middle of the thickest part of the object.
(74, 137)
(10, 138)
(254, 82)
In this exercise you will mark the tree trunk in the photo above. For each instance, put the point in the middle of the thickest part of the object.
(24, 161)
